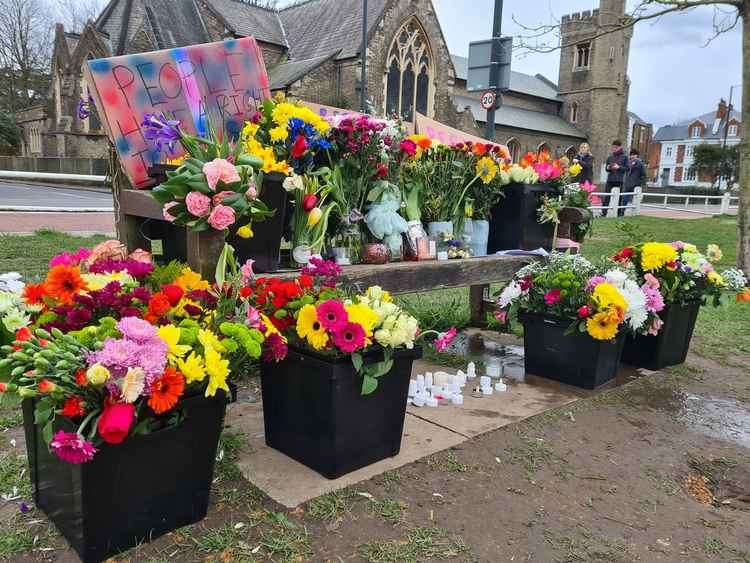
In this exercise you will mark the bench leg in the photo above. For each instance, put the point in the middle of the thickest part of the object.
(476, 301)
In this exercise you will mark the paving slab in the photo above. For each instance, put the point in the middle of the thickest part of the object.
(290, 483)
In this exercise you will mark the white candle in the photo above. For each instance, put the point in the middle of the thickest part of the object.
(485, 381)
(457, 399)
(431, 402)
(428, 379)
(486, 390)
(412, 388)
(418, 401)
(501, 387)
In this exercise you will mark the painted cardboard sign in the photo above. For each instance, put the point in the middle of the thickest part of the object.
(444, 134)
(218, 83)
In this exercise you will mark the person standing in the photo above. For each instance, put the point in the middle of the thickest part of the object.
(635, 176)
(617, 164)
(586, 160)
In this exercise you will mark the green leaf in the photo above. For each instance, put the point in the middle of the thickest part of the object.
(369, 384)
(47, 432)
(161, 194)
(247, 160)
(357, 362)
(42, 412)
(200, 185)
(379, 369)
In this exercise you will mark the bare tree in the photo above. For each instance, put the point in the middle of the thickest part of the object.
(727, 14)
(25, 41)
(74, 14)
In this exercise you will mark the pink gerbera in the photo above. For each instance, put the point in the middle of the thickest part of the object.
(552, 297)
(350, 338)
(332, 315)
(71, 447)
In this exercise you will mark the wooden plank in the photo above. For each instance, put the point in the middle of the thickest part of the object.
(140, 203)
(476, 303)
(414, 277)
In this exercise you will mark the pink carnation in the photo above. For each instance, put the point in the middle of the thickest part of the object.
(220, 170)
(552, 296)
(445, 339)
(222, 217)
(594, 281)
(198, 204)
(651, 281)
(71, 447)
(655, 327)
(165, 211)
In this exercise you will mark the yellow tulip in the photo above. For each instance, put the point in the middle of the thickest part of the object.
(245, 232)
(575, 170)
(314, 216)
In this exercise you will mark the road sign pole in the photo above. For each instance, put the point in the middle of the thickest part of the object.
(495, 68)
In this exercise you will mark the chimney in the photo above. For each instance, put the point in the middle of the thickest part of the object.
(721, 110)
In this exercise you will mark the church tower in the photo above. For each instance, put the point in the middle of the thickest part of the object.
(593, 78)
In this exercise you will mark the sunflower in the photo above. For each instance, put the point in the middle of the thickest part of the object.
(602, 326)
(63, 283)
(486, 169)
(309, 327)
(166, 391)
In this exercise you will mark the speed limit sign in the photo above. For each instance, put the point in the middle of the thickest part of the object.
(489, 98)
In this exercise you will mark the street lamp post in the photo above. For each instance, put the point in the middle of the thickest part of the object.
(729, 114)
(363, 51)
(495, 69)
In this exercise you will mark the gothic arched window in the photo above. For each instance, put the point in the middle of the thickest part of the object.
(543, 148)
(92, 123)
(408, 74)
(574, 112)
(514, 148)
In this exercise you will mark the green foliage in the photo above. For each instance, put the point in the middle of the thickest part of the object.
(164, 274)
(716, 161)
(10, 135)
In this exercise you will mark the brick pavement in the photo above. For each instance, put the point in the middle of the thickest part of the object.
(76, 223)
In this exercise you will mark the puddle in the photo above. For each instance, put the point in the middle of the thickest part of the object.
(725, 419)
(508, 357)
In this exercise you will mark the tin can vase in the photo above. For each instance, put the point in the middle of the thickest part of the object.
(375, 253)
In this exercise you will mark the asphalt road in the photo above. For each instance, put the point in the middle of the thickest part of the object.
(33, 197)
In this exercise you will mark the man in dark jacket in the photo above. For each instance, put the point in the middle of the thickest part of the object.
(616, 167)
(635, 176)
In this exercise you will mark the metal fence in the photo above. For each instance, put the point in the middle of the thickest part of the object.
(637, 200)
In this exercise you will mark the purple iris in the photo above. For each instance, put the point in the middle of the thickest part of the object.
(162, 131)
(84, 108)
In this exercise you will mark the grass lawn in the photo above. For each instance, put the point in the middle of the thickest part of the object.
(439, 310)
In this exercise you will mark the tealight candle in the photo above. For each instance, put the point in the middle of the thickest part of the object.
(457, 399)
(418, 401)
(501, 387)
(485, 381)
(412, 388)
(431, 402)
(486, 390)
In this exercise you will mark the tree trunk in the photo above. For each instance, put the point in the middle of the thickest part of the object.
(743, 219)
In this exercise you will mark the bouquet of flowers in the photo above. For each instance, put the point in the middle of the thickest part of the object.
(13, 310)
(569, 287)
(113, 344)
(286, 136)
(681, 273)
(314, 312)
(215, 186)
(313, 205)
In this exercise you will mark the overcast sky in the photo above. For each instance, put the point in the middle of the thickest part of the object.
(673, 75)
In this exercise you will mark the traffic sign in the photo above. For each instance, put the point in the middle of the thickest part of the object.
(489, 99)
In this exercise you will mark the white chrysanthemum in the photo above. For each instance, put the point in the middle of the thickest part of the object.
(8, 301)
(511, 292)
(735, 279)
(637, 312)
(15, 319)
(11, 281)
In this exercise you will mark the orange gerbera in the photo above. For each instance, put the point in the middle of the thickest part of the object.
(744, 296)
(166, 391)
(64, 282)
(33, 294)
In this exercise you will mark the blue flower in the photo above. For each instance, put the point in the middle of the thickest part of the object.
(162, 131)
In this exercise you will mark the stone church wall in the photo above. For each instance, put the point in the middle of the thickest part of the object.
(318, 86)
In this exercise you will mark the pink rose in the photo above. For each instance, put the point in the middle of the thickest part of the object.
(165, 211)
(218, 198)
(251, 192)
(198, 204)
(140, 255)
(220, 170)
(222, 217)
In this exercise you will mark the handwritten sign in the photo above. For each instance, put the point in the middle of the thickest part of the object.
(218, 83)
(446, 135)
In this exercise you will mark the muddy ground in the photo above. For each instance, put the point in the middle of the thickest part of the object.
(656, 470)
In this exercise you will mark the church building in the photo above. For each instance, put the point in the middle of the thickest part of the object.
(312, 52)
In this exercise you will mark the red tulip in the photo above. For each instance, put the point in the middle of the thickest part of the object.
(299, 147)
(115, 422)
(309, 202)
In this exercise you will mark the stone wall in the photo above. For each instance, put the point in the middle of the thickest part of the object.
(318, 86)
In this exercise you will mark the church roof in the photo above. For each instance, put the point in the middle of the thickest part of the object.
(175, 23)
(247, 20)
(284, 74)
(319, 27)
(537, 85)
(518, 118)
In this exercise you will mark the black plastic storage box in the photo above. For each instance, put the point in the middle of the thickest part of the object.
(670, 346)
(514, 222)
(314, 412)
(575, 359)
(132, 492)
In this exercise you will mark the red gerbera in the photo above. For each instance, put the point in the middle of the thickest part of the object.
(73, 407)
(166, 391)
(33, 294)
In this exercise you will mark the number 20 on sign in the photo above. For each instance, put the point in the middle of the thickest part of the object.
(488, 99)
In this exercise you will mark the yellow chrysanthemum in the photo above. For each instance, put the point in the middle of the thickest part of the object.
(95, 282)
(713, 253)
(602, 326)
(249, 130)
(486, 169)
(655, 255)
(280, 133)
(218, 371)
(190, 280)
(209, 340)
(606, 296)
(192, 368)
(270, 328)
(309, 327)
(716, 279)
(364, 316)
(170, 334)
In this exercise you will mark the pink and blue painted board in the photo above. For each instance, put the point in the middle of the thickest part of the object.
(218, 83)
